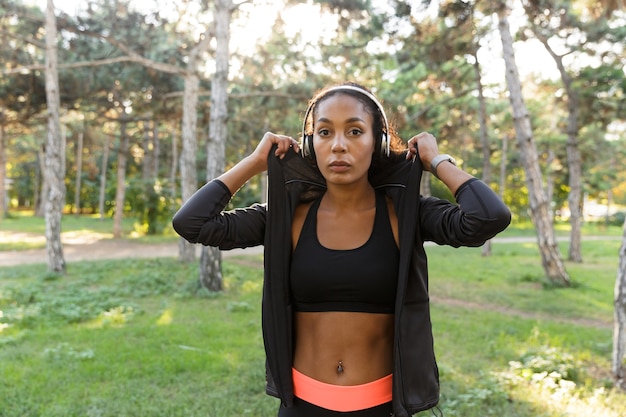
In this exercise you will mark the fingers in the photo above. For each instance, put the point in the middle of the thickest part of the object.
(423, 145)
(283, 143)
(412, 145)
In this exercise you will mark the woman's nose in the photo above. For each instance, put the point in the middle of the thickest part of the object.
(339, 143)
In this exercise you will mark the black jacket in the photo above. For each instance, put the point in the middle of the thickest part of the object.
(479, 215)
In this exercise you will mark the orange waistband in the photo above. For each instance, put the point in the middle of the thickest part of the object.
(341, 397)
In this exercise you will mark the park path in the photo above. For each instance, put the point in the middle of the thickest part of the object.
(94, 248)
(106, 249)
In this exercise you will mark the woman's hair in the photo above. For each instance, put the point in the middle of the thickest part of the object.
(380, 126)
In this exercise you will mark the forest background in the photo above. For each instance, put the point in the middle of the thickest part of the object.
(123, 68)
(131, 106)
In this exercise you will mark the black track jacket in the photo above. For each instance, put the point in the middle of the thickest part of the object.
(478, 216)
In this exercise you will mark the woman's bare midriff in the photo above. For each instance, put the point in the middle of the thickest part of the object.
(344, 348)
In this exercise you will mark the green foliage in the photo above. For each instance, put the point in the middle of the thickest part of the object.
(152, 205)
(138, 334)
(420, 63)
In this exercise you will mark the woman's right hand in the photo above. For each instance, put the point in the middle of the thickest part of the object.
(264, 147)
(256, 162)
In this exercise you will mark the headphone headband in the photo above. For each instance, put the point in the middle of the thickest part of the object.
(307, 148)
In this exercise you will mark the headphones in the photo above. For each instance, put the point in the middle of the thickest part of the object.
(307, 140)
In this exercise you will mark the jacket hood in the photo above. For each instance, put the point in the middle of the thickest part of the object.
(300, 172)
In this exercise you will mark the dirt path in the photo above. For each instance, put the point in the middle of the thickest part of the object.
(85, 247)
(92, 247)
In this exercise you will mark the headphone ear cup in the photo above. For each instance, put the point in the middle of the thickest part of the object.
(384, 145)
(307, 146)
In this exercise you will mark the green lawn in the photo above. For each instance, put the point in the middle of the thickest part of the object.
(137, 338)
(23, 231)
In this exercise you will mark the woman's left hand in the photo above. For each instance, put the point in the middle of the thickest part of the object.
(425, 146)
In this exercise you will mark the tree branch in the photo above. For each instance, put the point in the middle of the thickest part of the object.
(131, 56)
(134, 56)
(32, 41)
(40, 67)
(242, 95)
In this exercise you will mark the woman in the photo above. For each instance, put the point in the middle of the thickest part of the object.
(346, 319)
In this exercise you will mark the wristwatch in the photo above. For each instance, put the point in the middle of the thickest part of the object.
(439, 159)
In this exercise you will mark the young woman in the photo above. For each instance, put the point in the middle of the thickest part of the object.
(346, 319)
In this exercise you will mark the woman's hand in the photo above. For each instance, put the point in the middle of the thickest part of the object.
(256, 162)
(425, 146)
(262, 150)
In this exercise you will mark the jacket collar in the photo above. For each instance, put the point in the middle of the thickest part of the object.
(394, 173)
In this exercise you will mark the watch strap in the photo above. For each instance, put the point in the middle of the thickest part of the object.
(437, 160)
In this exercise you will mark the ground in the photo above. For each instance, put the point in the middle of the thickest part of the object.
(90, 246)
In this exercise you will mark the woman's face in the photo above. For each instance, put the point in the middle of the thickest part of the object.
(343, 139)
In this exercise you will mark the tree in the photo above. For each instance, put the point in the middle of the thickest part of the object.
(539, 204)
(549, 20)
(120, 190)
(55, 150)
(211, 258)
(188, 169)
(619, 330)
(4, 204)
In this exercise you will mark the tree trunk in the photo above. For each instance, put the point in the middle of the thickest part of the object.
(575, 165)
(539, 205)
(425, 190)
(174, 163)
(503, 160)
(55, 150)
(149, 177)
(574, 159)
(103, 176)
(120, 192)
(211, 259)
(4, 197)
(41, 189)
(550, 177)
(619, 328)
(188, 171)
(156, 151)
(484, 138)
(79, 172)
(148, 149)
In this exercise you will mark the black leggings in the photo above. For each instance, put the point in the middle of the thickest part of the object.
(302, 408)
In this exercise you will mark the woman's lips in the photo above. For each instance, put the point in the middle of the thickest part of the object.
(339, 166)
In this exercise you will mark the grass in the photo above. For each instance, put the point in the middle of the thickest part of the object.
(163, 348)
(137, 337)
(22, 230)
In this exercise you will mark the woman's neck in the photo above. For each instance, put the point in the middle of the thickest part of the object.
(350, 197)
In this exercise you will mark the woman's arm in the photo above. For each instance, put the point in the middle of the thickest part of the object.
(479, 215)
(201, 219)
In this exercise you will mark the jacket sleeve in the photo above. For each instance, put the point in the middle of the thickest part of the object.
(202, 219)
(479, 215)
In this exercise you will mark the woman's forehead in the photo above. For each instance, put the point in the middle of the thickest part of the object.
(328, 106)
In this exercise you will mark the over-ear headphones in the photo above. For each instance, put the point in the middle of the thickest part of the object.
(307, 140)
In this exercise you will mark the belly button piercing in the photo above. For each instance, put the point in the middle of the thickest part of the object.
(340, 368)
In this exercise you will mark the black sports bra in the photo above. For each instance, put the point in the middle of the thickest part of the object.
(363, 279)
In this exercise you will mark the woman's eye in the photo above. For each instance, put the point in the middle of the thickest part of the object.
(323, 132)
(355, 132)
